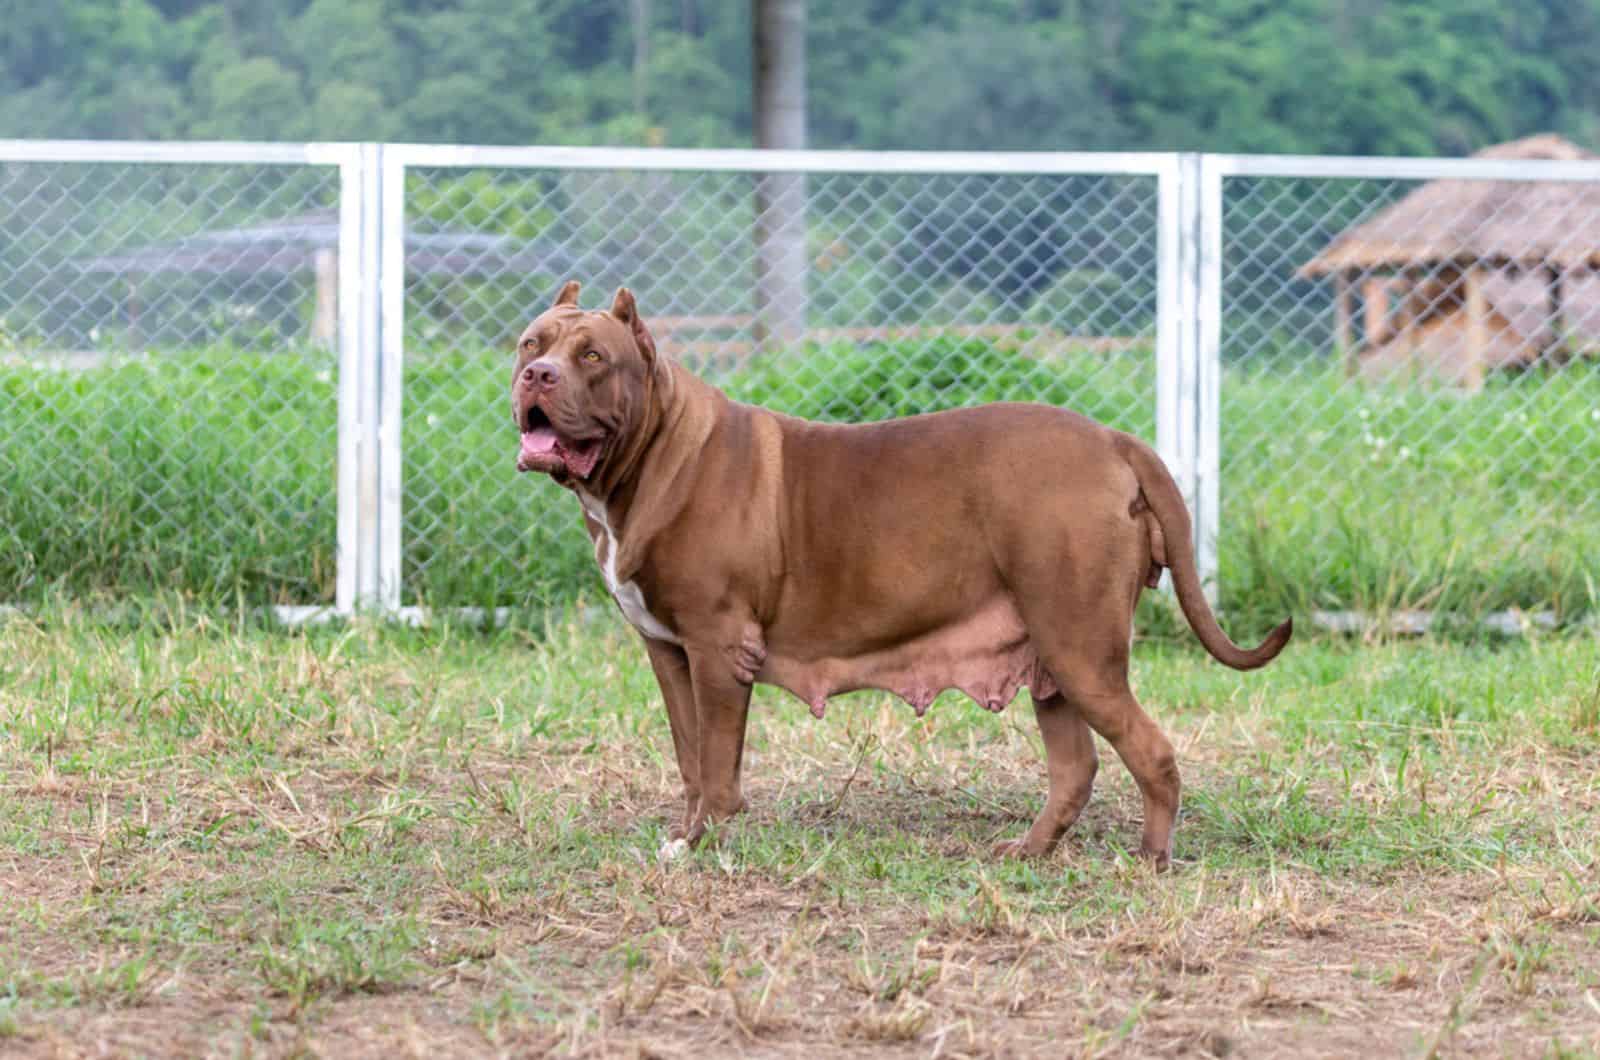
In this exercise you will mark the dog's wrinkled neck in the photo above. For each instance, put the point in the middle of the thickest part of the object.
(660, 405)
(653, 477)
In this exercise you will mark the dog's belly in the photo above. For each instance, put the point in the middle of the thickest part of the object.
(986, 655)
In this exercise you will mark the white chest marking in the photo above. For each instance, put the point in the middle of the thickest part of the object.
(628, 595)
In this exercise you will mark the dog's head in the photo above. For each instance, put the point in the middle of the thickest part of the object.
(581, 385)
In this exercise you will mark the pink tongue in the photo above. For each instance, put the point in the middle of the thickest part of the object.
(581, 461)
(541, 441)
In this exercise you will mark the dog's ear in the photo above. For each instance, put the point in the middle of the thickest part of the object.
(568, 295)
(626, 310)
(623, 307)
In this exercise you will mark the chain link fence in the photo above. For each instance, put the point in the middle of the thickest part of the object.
(920, 291)
(167, 382)
(1410, 402)
(278, 373)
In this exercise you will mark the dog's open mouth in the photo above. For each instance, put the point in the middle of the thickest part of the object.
(545, 450)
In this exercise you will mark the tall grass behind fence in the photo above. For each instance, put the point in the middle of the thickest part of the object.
(208, 473)
(80, 492)
(1462, 504)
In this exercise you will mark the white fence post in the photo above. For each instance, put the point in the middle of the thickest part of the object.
(1208, 371)
(1188, 341)
(371, 301)
(1177, 324)
(1171, 284)
(348, 555)
(391, 281)
(358, 380)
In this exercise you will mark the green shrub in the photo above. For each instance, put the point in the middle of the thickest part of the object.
(855, 383)
(1095, 302)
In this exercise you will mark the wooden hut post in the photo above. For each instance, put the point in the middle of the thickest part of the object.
(1341, 319)
(1555, 349)
(135, 342)
(1477, 326)
(1410, 310)
(325, 317)
(1375, 317)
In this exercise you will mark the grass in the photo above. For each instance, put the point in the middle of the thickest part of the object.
(208, 472)
(218, 837)
(1389, 497)
(212, 474)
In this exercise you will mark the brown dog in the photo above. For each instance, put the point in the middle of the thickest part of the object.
(982, 549)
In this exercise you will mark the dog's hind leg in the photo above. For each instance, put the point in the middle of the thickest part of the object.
(1111, 710)
(1071, 762)
(1081, 627)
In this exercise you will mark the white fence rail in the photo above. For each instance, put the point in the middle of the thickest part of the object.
(1165, 293)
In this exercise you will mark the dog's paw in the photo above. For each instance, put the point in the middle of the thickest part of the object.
(1013, 848)
(672, 850)
(1159, 860)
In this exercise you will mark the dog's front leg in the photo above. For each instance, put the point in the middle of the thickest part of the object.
(722, 672)
(671, 666)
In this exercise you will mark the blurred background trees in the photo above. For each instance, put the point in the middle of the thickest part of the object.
(1321, 76)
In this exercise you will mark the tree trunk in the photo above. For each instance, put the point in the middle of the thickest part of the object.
(779, 53)
(641, 52)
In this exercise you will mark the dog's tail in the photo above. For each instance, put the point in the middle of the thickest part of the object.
(1177, 554)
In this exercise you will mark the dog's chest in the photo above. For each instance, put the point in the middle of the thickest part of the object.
(628, 595)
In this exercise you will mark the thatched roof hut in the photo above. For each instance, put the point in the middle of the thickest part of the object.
(1485, 273)
(1484, 222)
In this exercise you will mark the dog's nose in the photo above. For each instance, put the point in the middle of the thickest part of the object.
(541, 374)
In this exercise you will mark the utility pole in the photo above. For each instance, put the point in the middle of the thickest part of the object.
(779, 53)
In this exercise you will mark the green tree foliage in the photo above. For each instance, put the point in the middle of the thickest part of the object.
(1347, 76)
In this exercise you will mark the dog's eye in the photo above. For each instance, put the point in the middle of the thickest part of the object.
(592, 356)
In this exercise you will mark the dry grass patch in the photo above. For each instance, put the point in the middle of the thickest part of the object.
(380, 842)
